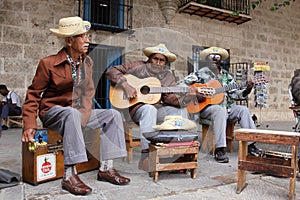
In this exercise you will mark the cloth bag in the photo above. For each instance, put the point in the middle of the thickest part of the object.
(169, 136)
(8, 178)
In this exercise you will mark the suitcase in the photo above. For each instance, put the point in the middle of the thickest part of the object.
(43, 160)
(281, 158)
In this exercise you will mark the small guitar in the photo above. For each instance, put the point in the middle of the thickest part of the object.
(149, 91)
(216, 94)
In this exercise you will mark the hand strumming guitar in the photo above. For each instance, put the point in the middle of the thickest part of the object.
(130, 91)
(192, 93)
(200, 97)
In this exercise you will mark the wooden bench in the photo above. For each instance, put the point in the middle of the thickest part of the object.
(267, 165)
(206, 124)
(188, 152)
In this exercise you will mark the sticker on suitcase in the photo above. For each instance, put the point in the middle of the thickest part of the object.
(46, 166)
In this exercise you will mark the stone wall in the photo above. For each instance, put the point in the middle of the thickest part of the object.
(271, 37)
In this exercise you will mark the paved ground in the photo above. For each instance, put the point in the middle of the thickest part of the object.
(214, 180)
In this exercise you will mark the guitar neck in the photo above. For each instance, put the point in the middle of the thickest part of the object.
(155, 90)
(227, 88)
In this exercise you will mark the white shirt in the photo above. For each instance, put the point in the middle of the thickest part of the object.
(15, 99)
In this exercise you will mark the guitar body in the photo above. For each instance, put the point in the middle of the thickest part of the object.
(195, 106)
(118, 97)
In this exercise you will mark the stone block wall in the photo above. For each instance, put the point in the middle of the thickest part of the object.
(271, 37)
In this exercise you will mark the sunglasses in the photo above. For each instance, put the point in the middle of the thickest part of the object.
(215, 56)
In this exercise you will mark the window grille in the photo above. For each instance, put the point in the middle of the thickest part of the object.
(111, 15)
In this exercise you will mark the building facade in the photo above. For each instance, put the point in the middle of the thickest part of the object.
(272, 37)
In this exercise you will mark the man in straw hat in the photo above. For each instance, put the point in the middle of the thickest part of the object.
(61, 92)
(227, 110)
(147, 115)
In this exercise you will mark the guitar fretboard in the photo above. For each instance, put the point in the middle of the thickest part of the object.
(230, 87)
(155, 90)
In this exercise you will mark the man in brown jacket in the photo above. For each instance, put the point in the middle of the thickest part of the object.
(61, 93)
(145, 114)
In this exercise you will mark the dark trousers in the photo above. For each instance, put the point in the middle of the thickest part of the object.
(8, 110)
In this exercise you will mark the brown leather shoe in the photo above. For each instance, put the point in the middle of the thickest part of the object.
(144, 165)
(113, 177)
(75, 186)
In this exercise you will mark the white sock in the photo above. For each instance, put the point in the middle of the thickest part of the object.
(69, 171)
(106, 165)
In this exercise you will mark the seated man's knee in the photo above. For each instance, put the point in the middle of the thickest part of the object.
(219, 110)
(149, 109)
(69, 111)
(115, 113)
(244, 110)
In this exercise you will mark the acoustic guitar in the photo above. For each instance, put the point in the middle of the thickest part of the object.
(216, 94)
(149, 91)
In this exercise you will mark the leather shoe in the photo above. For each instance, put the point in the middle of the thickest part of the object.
(113, 177)
(75, 186)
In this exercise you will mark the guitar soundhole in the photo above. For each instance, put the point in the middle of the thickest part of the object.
(145, 90)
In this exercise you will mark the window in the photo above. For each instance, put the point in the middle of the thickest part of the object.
(111, 15)
(103, 57)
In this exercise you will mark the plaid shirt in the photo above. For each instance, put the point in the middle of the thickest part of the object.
(225, 78)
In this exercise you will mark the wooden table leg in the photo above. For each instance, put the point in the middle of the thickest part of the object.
(193, 173)
(155, 177)
(294, 164)
(242, 154)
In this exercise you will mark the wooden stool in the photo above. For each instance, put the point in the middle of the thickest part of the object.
(229, 133)
(189, 151)
(266, 165)
(130, 140)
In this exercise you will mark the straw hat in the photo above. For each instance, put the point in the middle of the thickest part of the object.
(161, 49)
(71, 26)
(173, 122)
(214, 50)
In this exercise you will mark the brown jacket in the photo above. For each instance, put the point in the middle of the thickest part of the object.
(53, 85)
(141, 70)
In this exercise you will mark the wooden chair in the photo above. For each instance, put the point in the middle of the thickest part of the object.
(130, 140)
(15, 121)
(229, 133)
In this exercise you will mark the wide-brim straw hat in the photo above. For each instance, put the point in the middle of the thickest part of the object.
(174, 122)
(71, 26)
(161, 49)
(214, 50)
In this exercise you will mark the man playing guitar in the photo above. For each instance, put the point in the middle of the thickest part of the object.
(147, 114)
(226, 109)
